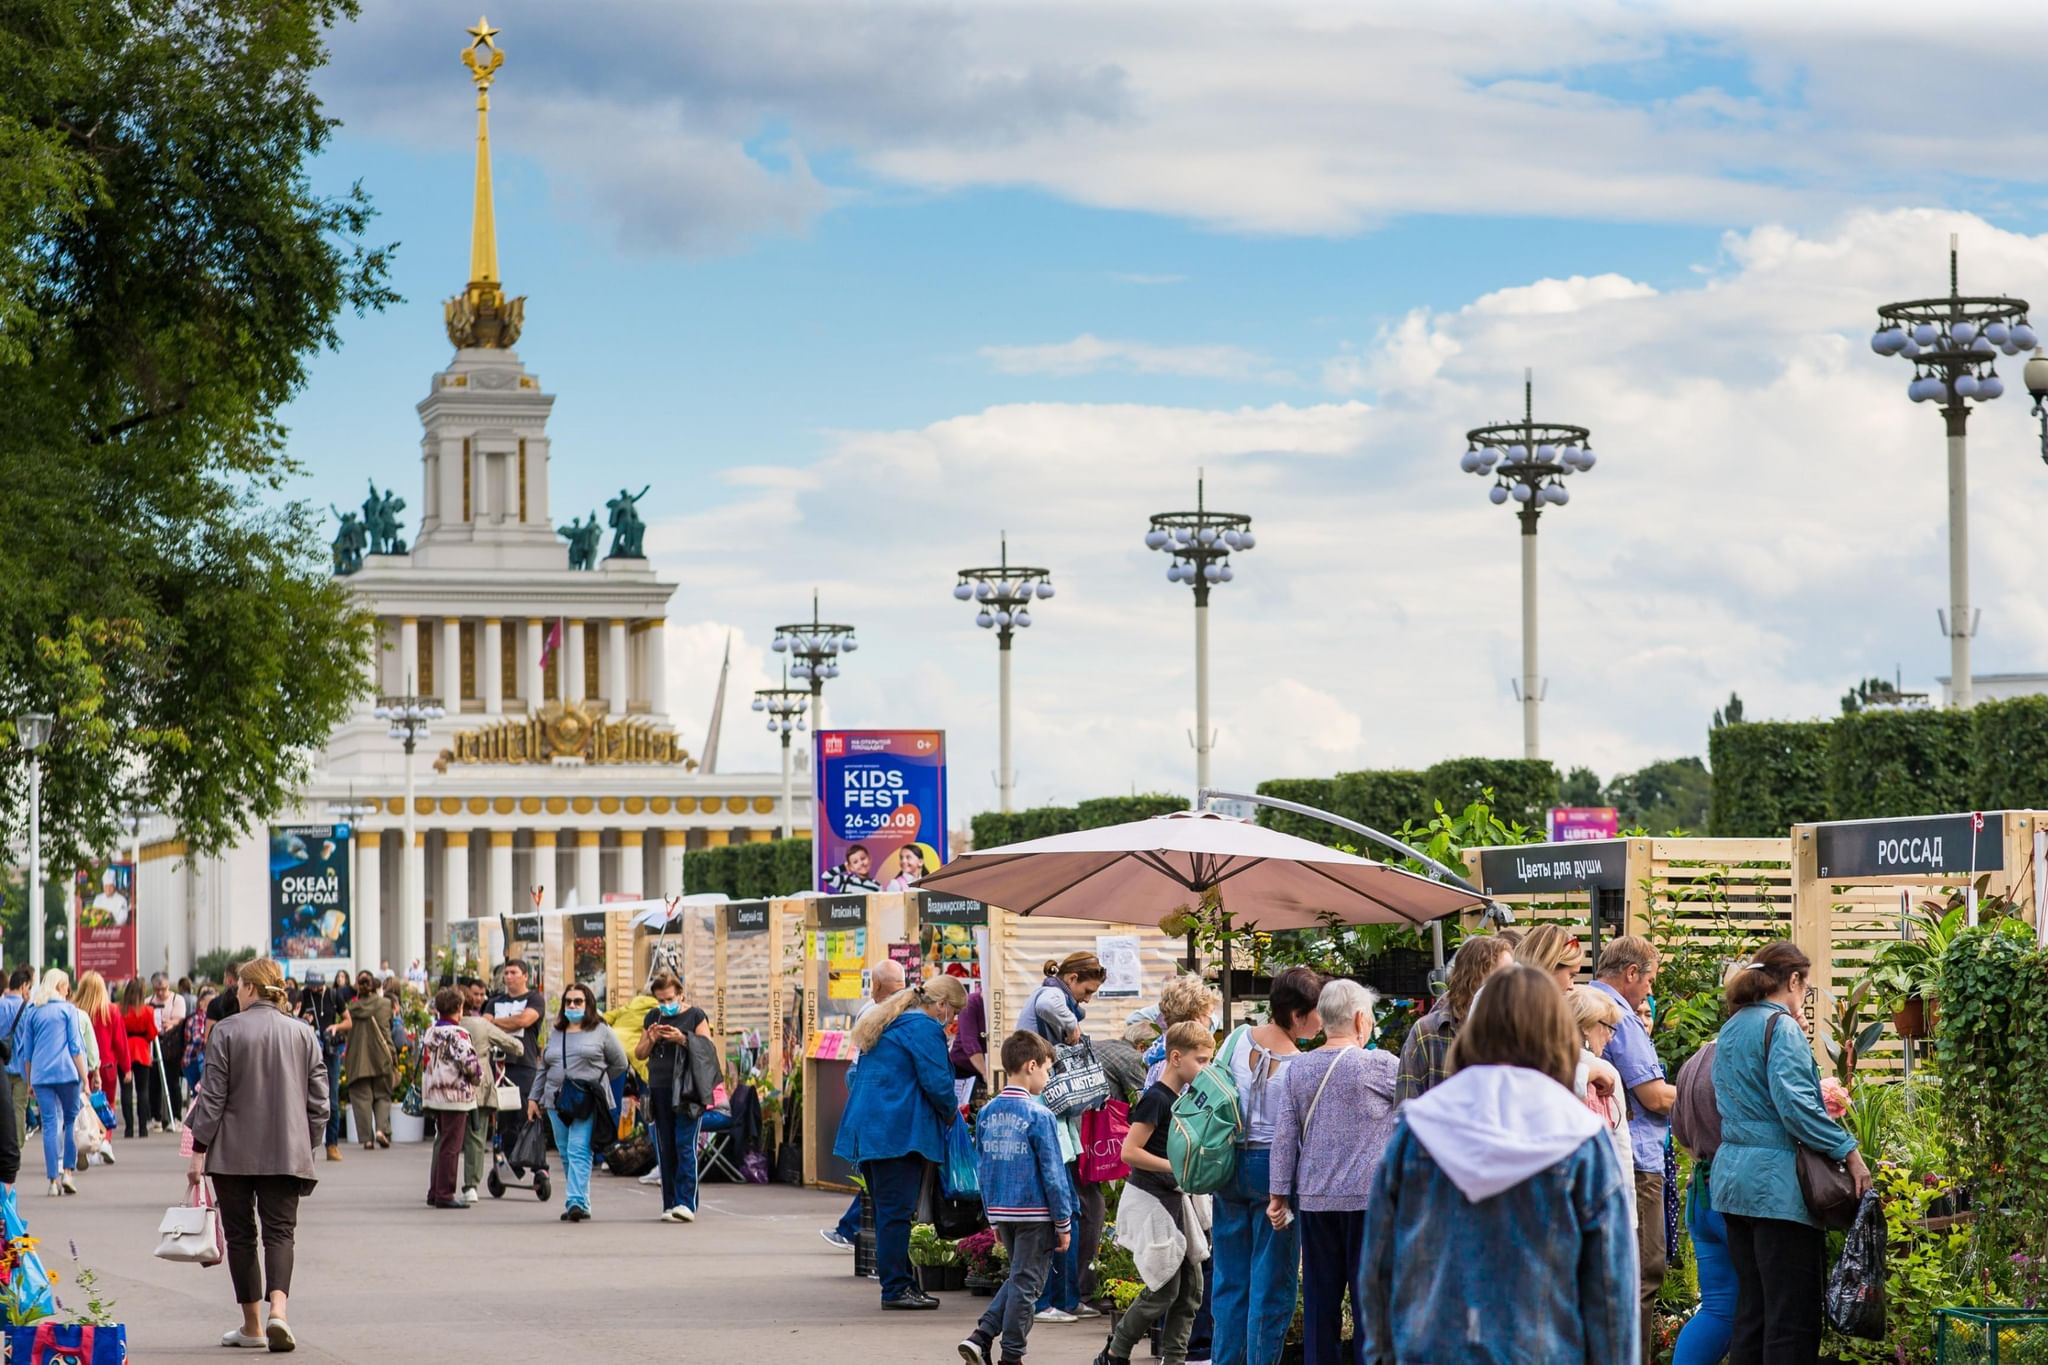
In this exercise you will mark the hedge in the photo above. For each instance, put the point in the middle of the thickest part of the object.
(2009, 754)
(1319, 792)
(1524, 789)
(1886, 763)
(781, 867)
(1386, 798)
(994, 828)
(1768, 777)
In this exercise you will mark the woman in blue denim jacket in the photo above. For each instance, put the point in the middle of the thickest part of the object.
(1498, 1227)
(897, 1117)
(1779, 1253)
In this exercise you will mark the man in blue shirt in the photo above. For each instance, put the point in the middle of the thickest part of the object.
(18, 986)
(1627, 969)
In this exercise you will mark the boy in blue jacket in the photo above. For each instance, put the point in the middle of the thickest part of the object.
(1025, 1192)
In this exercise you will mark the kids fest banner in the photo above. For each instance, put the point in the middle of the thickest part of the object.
(105, 940)
(881, 803)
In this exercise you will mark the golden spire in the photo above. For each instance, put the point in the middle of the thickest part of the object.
(481, 315)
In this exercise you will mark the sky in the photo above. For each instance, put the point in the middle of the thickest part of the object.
(862, 288)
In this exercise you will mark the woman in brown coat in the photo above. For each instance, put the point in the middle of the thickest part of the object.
(370, 1063)
(260, 1112)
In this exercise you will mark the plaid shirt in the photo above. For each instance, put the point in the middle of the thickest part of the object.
(1425, 1056)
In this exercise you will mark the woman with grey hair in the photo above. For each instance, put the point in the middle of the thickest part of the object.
(1332, 1118)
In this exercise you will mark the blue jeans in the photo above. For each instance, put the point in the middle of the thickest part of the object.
(894, 1184)
(331, 1054)
(1009, 1314)
(1708, 1332)
(572, 1140)
(1063, 1284)
(675, 1149)
(58, 1105)
(1257, 1268)
(849, 1222)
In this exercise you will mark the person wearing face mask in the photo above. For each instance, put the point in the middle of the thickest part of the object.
(579, 1064)
(672, 1115)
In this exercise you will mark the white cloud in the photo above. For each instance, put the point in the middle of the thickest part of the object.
(1090, 354)
(1767, 517)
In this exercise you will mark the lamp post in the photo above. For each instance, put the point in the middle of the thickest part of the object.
(32, 728)
(1951, 343)
(131, 819)
(785, 707)
(1528, 462)
(814, 648)
(353, 811)
(411, 718)
(1200, 544)
(1004, 592)
(2036, 378)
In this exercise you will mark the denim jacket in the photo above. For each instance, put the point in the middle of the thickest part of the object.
(1756, 1173)
(1017, 1157)
(902, 1099)
(1556, 1281)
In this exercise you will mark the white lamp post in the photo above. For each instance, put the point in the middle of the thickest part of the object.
(32, 728)
(785, 707)
(411, 719)
(1200, 544)
(814, 648)
(1004, 593)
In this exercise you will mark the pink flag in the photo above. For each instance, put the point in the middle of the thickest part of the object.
(551, 644)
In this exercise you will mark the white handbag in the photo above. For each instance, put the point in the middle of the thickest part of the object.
(506, 1096)
(191, 1232)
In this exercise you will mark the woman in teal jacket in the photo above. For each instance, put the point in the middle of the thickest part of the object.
(897, 1116)
(1767, 1111)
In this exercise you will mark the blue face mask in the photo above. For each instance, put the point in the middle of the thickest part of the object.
(573, 1016)
(670, 1006)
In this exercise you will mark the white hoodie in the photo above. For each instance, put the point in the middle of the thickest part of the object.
(1492, 1127)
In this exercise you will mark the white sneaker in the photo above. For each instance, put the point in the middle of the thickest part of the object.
(1085, 1310)
(679, 1214)
(653, 1177)
(469, 1194)
(237, 1337)
(56, 1189)
(106, 1156)
(1053, 1315)
(69, 1183)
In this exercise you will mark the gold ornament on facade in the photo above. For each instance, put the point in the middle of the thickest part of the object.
(578, 731)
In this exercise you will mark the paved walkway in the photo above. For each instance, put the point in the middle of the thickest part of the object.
(383, 1280)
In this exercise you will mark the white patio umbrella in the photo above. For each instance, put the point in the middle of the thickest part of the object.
(1139, 872)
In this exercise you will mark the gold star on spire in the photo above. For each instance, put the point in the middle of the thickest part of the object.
(482, 71)
(481, 315)
(483, 32)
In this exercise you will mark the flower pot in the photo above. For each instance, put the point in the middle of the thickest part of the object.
(408, 1127)
(956, 1278)
(864, 1240)
(789, 1164)
(981, 1286)
(1245, 985)
(1915, 1019)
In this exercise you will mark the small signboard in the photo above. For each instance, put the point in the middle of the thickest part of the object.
(746, 917)
(1571, 824)
(1917, 846)
(1536, 868)
(838, 912)
(937, 909)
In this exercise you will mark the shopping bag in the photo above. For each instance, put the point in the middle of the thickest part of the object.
(957, 1173)
(53, 1343)
(191, 1232)
(88, 1134)
(1079, 1082)
(104, 1107)
(1102, 1143)
(530, 1149)
(12, 1224)
(1855, 1297)
(29, 1295)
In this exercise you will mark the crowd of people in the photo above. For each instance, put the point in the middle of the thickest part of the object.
(1503, 1188)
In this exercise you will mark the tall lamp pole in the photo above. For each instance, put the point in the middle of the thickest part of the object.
(1528, 462)
(411, 718)
(32, 728)
(1004, 592)
(785, 707)
(1952, 342)
(353, 811)
(1200, 544)
(814, 647)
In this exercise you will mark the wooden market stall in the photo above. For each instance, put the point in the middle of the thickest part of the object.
(843, 938)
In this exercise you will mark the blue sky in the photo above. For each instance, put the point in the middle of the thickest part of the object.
(982, 268)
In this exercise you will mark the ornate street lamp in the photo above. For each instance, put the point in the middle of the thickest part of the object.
(1528, 462)
(785, 707)
(1004, 594)
(1952, 342)
(411, 718)
(814, 647)
(1200, 544)
(2036, 379)
(32, 728)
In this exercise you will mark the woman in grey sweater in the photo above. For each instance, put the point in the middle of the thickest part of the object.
(579, 1062)
(1332, 1118)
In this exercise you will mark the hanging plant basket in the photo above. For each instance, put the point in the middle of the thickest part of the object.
(1916, 1018)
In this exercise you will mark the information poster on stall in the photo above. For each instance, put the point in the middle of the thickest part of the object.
(105, 920)
(309, 894)
(1118, 954)
(881, 802)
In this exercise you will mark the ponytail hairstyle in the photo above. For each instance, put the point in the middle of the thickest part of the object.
(1765, 974)
(940, 990)
(1080, 966)
(262, 976)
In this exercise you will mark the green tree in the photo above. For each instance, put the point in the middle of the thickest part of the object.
(1670, 794)
(166, 272)
(1581, 788)
(1731, 714)
(1869, 692)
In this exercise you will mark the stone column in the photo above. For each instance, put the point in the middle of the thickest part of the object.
(543, 875)
(373, 665)
(529, 668)
(632, 870)
(490, 676)
(408, 653)
(673, 842)
(588, 869)
(455, 876)
(448, 664)
(618, 690)
(499, 893)
(655, 661)
(369, 897)
(579, 686)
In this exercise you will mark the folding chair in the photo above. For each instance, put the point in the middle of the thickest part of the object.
(714, 1153)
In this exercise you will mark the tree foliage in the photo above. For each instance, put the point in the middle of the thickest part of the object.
(1768, 776)
(1898, 763)
(166, 274)
(1581, 788)
(1669, 795)
(2009, 754)
(993, 829)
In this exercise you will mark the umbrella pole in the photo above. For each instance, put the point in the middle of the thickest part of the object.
(1224, 970)
(1436, 941)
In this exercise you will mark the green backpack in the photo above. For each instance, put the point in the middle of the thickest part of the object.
(1207, 1124)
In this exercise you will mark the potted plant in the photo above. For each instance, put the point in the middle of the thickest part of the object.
(1121, 1295)
(1907, 973)
(984, 1260)
(937, 1260)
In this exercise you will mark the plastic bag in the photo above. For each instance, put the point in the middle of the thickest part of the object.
(1855, 1297)
(29, 1295)
(958, 1173)
(529, 1149)
(88, 1134)
(12, 1224)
